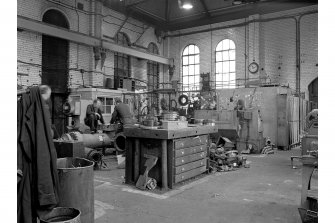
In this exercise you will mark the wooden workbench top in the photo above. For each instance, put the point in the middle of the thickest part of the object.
(137, 132)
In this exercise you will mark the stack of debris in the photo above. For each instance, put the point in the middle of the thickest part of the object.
(269, 147)
(223, 157)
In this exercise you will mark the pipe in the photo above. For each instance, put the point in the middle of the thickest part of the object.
(93, 155)
(120, 142)
(241, 24)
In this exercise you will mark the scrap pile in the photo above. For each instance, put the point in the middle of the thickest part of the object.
(223, 157)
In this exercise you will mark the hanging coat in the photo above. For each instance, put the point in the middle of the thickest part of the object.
(37, 187)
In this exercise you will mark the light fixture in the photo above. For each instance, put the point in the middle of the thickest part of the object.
(185, 4)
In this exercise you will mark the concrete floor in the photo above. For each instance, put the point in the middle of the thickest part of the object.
(268, 191)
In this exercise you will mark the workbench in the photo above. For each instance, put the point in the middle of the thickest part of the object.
(182, 153)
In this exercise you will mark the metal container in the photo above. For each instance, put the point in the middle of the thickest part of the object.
(76, 186)
(62, 215)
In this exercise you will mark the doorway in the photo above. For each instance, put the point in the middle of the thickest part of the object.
(55, 58)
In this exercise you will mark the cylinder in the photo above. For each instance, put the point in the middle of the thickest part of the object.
(76, 186)
(62, 215)
(97, 140)
(120, 142)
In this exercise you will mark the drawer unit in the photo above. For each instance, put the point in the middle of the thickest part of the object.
(190, 150)
(190, 158)
(190, 166)
(191, 141)
(189, 174)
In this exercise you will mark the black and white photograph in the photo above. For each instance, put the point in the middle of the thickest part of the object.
(174, 111)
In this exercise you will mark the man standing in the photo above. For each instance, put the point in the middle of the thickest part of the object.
(122, 114)
(93, 115)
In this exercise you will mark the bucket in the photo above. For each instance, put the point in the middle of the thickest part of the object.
(76, 186)
(62, 215)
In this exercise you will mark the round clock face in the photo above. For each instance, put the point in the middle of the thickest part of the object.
(253, 67)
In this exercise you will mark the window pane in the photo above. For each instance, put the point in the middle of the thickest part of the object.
(219, 46)
(185, 60)
(231, 54)
(196, 49)
(197, 69)
(225, 79)
(108, 110)
(218, 67)
(232, 77)
(218, 78)
(191, 81)
(109, 101)
(185, 51)
(225, 44)
(191, 70)
(225, 67)
(185, 80)
(231, 44)
(197, 60)
(185, 70)
(191, 60)
(191, 49)
(197, 79)
(225, 55)
(232, 66)
(218, 56)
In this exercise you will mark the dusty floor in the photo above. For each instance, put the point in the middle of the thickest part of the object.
(268, 191)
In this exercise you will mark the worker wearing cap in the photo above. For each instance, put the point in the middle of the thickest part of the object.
(121, 114)
(93, 115)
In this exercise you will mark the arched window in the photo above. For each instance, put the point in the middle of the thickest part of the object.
(122, 61)
(191, 68)
(152, 69)
(225, 66)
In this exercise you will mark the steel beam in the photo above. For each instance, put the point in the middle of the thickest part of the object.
(51, 30)
(206, 9)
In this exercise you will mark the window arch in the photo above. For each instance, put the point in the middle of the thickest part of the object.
(121, 60)
(225, 64)
(191, 68)
(152, 69)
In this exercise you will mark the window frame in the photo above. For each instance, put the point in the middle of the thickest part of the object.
(196, 85)
(121, 60)
(104, 105)
(230, 84)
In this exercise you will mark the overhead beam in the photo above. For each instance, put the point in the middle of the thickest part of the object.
(51, 30)
(205, 7)
(135, 3)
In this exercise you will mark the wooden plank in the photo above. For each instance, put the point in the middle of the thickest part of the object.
(190, 150)
(190, 158)
(189, 174)
(190, 166)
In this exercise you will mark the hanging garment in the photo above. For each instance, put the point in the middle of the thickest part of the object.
(37, 187)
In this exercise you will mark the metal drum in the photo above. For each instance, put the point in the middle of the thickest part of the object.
(62, 215)
(76, 186)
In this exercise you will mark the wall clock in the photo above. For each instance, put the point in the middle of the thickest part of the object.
(253, 67)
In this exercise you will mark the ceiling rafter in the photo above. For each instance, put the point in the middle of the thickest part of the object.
(203, 3)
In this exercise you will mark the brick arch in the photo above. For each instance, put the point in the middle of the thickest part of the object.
(63, 13)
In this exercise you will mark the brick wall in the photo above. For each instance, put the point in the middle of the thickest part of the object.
(271, 43)
(29, 45)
